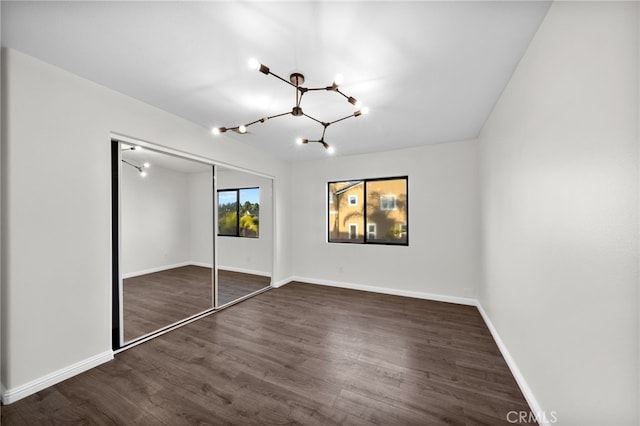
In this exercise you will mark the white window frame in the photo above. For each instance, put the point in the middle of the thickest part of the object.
(388, 197)
(403, 233)
(351, 236)
(371, 226)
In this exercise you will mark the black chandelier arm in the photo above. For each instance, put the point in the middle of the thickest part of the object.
(280, 78)
(316, 120)
(333, 88)
(313, 89)
(345, 96)
(278, 115)
(263, 119)
(299, 94)
(355, 114)
(324, 130)
(133, 165)
(260, 120)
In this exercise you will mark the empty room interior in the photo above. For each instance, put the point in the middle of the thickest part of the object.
(310, 212)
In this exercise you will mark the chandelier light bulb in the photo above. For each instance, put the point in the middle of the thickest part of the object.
(338, 80)
(137, 148)
(365, 110)
(215, 131)
(242, 128)
(353, 101)
(146, 165)
(330, 150)
(254, 64)
(143, 173)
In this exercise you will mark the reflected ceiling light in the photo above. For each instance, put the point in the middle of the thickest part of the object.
(296, 80)
(140, 169)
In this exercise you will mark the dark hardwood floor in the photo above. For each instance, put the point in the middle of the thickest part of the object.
(153, 301)
(301, 354)
(156, 300)
(234, 285)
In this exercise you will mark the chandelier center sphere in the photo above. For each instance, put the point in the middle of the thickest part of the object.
(296, 79)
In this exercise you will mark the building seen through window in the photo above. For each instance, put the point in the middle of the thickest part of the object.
(372, 211)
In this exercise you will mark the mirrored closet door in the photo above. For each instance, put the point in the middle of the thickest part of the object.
(244, 235)
(166, 244)
(189, 237)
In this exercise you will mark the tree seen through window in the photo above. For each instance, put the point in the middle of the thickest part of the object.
(239, 212)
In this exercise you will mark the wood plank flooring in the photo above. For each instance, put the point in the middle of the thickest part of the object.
(234, 285)
(155, 300)
(300, 354)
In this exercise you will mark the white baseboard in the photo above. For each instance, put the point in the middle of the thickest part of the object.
(201, 264)
(281, 283)
(194, 263)
(165, 268)
(244, 271)
(156, 269)
(391, 291)
(534, 405)
(12, 395)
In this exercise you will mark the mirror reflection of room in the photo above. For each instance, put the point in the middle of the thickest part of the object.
(166, 240)
(245, 234)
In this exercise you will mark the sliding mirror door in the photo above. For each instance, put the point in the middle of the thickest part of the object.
(244, 244)
(165, 240)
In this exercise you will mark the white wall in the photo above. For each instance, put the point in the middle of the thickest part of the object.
(56, 274)
(201, 218)
(250, 255)
(442, 258)
(166, 220)
(155, 220)
(559, 158)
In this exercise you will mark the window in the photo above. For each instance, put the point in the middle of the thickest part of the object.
(381, 217)
(353, 231)
(387, 202)
(371, 231)
(239, 212)
(402, 230)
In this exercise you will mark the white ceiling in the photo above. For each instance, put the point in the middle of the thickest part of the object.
(430, 72)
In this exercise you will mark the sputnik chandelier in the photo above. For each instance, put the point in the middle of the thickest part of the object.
(296, 80)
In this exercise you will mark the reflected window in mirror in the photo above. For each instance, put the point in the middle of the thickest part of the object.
(239, 212)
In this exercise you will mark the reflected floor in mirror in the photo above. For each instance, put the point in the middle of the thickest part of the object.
(153, 301)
